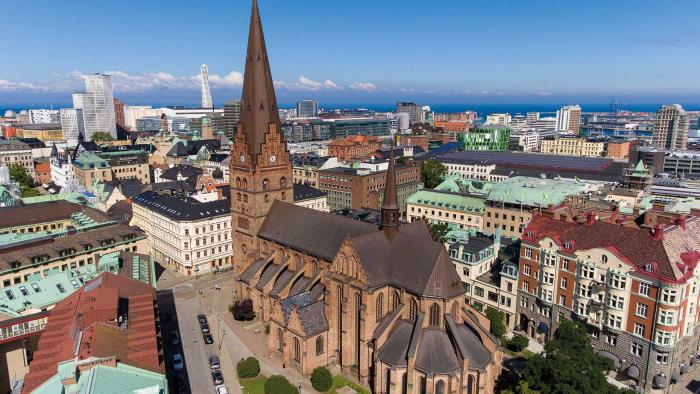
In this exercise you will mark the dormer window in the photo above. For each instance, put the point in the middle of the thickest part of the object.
(604, 259)
(567, 245)
(529, 233)
(649, 267)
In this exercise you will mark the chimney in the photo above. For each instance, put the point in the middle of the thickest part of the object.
(590, 218)
(695, 212)
(658, 232)
(681, 222)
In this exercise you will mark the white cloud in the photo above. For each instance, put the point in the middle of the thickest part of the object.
(304, 83)
(123, 81)
(366, 86)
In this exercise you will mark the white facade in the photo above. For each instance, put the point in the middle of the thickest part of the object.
(72, 125)
(191, 247)
(525, 141)
(134, 112)
(97, 104)
(44, 116)
(498, 119)
(569, 118)
(318, 203)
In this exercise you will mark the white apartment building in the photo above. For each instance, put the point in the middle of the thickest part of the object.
(525, 141)
(569, 119)
(97, 104)
(44, 116)
(498, 119)
(489, 281)
(184, 235)
(72, 125)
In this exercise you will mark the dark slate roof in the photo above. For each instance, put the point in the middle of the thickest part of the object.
(34, 142)
(183, 171)
(299, 286)
(218, 157)
(394, 350)
(185, 186)
(479, 357)
(193, 147)
(282, 281)
(311, 313)
(316, 233)
(435, 352)
(313, 318)
(386, 322)
(412, 260)
(252, 269)
(304, 192)
(128, 187)
(267, 274)
(182, 210)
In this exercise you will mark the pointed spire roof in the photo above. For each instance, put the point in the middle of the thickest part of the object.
(258, 101)
(390, 205)
(391, 199)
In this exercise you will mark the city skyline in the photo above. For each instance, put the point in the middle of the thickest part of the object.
(484, 52)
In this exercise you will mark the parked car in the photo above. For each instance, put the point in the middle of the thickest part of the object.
(180, 384)
(202, 318)
(208, 339)
(204, 327)
(174, 337)
(217, 377)
(214, 362)
(221, 389)
(178, 362)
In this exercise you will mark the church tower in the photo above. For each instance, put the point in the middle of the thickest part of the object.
(261, 170)
(391, 211)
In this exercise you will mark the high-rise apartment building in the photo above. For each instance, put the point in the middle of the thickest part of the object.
(671, 128)
(569, 119)
(119, 117)
(43, 116)
(532, 117)
(232, 113)
(307, 109)
(72, 125)
(414, 111)
(97, 105)
(206, 94)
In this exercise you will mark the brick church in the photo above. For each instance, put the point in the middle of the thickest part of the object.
(384, 303)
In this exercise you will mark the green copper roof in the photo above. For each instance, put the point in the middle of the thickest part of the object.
(90, 160)
(38, 292)
(75, 197)
(102, 379)
(457, 184)
(447, 200)
(534, 192)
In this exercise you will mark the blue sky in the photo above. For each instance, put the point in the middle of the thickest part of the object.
(359, 51)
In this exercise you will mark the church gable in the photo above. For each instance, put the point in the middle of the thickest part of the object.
(347, 263)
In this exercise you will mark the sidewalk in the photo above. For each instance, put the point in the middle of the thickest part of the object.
(532, 346)
(240, 340)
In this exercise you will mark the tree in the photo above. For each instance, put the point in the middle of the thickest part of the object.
(26, 184)
(568, 364)
(321, 379)
(279, 385)
(518, 342)
(439, 231)
(521, 388)
(243, 310)
(248, 368)
(102, 136)
(497, 319)
(432, 173)
(401, 160)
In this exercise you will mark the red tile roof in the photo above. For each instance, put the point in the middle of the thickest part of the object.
(94, 311)
(673, 252)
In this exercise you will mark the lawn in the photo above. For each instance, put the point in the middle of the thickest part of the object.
(524, 354)
(340, 381)
(254, 385)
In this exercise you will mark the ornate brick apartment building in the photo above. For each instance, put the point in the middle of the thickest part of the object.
(634, 283)
(379, 301)
(354, 147)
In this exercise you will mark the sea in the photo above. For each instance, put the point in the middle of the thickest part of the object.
(481, 109)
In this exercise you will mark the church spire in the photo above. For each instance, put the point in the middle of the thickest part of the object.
(390, 205)
(258, 102)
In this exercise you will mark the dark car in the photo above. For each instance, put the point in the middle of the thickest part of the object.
(217, 377)
(208, 339)
(214, 362)
(202, 319)
(204, 327)
(180, 383)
